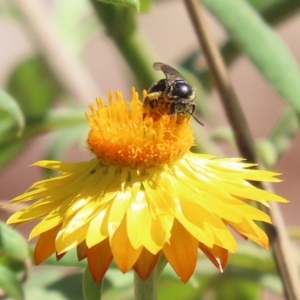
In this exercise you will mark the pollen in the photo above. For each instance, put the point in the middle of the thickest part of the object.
(119, 134)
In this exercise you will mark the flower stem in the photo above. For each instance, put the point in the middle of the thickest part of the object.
(146, 289)
(277, 233)
(121, 27)
(138, 59)
(91, 289)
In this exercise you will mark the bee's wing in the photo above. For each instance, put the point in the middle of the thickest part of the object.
(170, 73)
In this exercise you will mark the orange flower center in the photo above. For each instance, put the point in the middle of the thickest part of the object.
(119, 135)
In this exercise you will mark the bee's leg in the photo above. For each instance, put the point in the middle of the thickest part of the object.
(172, 108)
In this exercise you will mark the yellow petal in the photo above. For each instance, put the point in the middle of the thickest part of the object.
(95, 235)
(81, 251)
(252, 231)
(145, 264)
(202, 233)
(118, 210)
(65, 243)
(181, 252)
(217, 255)
(99, 258)
(224, 238)
(52, 220)
(138, 220)
(160, 233)
(123, 252)
(45, 245)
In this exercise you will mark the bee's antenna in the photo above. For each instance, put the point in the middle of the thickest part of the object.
(197, 120)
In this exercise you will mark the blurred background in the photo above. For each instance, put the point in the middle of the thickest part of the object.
(77, 39)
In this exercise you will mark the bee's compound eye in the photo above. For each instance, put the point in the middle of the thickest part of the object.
(182, 89)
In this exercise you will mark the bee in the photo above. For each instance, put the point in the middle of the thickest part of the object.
(170, 96)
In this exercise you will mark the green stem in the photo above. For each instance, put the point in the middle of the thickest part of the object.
(161, 264)
(120, 25)
(91, 289)
(146, 289)
(137, 59)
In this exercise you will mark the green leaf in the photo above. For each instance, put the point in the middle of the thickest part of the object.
(259, 4)
(91, 290)
(10, 284)
(262, 46)
(276, 11)
(16, 266)
(53, 283)
(34, 87)
(10, 106)
(12, 243)
(127, 3)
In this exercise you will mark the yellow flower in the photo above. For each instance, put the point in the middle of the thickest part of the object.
(144, 195)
